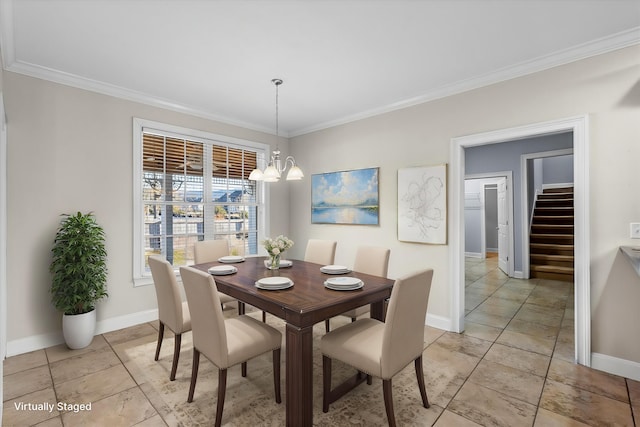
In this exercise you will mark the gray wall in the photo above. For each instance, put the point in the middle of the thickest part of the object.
(557, 170)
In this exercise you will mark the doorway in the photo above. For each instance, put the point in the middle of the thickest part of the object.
(578, 126)
(489, 217)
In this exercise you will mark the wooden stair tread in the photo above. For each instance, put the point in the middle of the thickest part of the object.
(547, 236)
(553, 257)
(551, 246)
(558, 190)
(547, 196)
(553, 217)
(561, 226)
(553, 208)
(552, 269)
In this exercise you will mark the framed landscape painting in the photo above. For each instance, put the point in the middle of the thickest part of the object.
(422, 204)
(347, 197)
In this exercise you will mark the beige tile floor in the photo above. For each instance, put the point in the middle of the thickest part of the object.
(513, 366)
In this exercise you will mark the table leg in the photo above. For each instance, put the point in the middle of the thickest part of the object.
(377, 310)
(299, 381)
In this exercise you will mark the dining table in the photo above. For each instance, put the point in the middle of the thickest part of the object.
(301, 306)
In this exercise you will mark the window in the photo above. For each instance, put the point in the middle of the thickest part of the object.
(191, 186)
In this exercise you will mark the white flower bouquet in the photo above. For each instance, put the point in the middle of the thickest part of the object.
(275, 247)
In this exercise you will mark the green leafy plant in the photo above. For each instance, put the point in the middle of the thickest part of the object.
(79, 265)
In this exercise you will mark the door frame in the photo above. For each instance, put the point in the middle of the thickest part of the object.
(579, 126)
(524, 192)
(3, 241)
(509, 177)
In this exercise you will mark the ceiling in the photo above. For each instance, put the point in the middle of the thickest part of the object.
(340, 60)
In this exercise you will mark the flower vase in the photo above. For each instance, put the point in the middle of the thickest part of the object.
(275, 262)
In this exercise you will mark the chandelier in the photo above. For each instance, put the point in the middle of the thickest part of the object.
(276, 166)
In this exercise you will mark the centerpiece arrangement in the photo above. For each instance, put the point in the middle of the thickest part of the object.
(275, 248)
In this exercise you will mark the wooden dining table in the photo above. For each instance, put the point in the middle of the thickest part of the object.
(301, 306)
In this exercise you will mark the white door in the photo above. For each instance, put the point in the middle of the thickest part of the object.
(503, 226)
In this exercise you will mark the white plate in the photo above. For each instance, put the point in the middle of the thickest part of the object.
(343, 281)
(335, 269)
(274, 283)
(231, 259)
(284, 263)
(221, 270)
(343, 288)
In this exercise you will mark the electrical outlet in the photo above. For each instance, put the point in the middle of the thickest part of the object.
(635, 230)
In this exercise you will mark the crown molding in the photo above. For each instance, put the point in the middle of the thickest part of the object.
(586, 50)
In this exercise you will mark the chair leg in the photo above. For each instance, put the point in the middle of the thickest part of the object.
(241, 308)
(194, 374)
(176, 356)
(243, 369)
(276, 374)
(388, 402)
(327, 326)
(353, 319)
(264, 317)
(222, 388)
(160, 337)
(326, 382)
(420, 375)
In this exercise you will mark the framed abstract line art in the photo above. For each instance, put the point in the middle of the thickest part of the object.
(346, 197)
(422, 204)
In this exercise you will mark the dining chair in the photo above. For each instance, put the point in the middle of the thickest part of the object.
(320, 251)
(172, 312)
(210, 251)
(382, 349)
(373, 260)
(225, 342)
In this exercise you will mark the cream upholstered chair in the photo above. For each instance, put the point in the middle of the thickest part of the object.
(225, 342)
(382, 349)
(210, 251)
(373, 260)
(172, 312)
(320, 251)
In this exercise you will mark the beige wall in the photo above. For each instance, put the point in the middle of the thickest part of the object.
(71, 150)
(607, 88)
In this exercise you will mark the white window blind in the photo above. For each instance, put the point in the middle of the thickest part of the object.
(193, 187)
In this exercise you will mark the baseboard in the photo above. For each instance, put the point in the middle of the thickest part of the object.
(125, 321)
(518, 275)
(439, 322)
(616, 366)
(33, 343)
(473, 254)
(38, 342)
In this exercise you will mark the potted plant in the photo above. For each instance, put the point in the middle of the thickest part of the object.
(79, 271)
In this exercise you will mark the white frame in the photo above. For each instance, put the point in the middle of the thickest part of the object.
(509, 176)
(579, 126)
(3, 241)
(139, 278)
(524, 192)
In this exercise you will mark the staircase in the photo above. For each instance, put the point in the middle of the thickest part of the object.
(551, 237)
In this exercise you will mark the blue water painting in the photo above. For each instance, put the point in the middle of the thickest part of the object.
(348, 197)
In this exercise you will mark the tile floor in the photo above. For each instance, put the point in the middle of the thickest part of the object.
(513, 366)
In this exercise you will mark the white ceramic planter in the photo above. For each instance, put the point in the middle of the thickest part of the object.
(78, 329)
